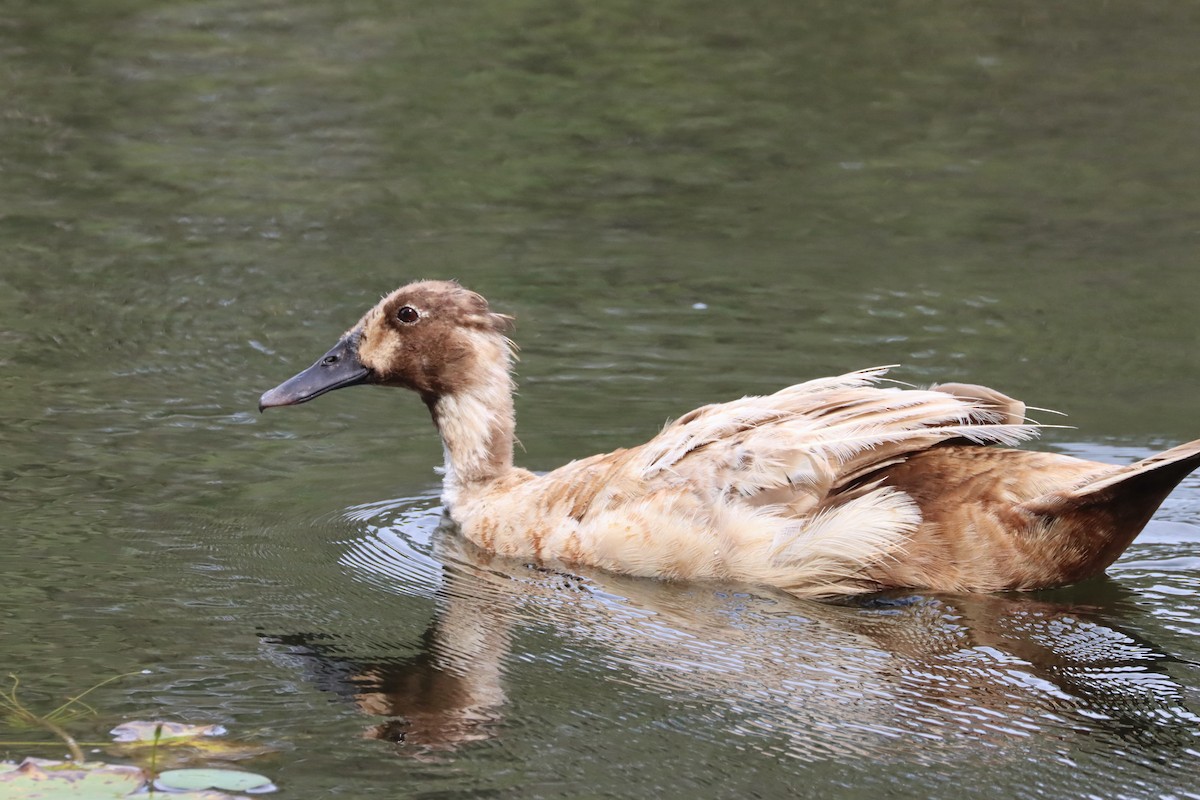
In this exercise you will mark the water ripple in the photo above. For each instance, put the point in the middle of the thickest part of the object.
(778, 675)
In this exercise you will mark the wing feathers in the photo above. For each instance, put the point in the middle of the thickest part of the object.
(812, 432)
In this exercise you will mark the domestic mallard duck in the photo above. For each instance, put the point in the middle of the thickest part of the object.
(830, 487)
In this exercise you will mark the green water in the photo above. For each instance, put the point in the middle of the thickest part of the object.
(681, 203)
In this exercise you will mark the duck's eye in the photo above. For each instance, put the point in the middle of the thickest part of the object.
(408, 314)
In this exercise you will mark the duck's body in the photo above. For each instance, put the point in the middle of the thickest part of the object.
(833, 486)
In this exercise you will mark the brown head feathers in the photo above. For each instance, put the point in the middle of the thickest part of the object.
(431, 337)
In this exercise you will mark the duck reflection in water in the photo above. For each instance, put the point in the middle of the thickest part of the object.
(915, 676)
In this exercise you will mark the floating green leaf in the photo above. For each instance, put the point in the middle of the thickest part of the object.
(171, 732)
(39, 779)
(227, 780)
(178, 744)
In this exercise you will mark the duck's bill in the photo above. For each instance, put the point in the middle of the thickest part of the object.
(336, 369)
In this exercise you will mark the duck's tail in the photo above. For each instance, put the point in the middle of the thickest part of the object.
(1112, 509)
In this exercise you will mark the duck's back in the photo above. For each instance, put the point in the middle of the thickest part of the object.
(995, 519)
(765, 489)
(974, 534)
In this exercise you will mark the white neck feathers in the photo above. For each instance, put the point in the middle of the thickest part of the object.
(477, 421)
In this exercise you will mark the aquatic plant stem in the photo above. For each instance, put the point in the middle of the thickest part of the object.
(154, 750)
(77, 698)
(10, 700)
(48, 722)
(76, 752)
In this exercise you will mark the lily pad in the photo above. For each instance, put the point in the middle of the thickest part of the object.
(225, 780)
(42, 779)
(178, 744)
(165, 732)
(39, 779)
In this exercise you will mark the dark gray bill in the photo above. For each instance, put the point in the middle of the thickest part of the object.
(336, 369)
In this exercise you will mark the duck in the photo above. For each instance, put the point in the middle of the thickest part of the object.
(832, 487)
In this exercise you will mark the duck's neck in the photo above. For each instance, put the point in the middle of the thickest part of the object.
(477, 424)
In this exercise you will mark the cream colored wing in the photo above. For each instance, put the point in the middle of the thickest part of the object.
(785, 464)
(816, 437)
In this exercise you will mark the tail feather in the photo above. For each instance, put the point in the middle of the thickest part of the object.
(1145, 483)
(1111, 511)
(1164, 470)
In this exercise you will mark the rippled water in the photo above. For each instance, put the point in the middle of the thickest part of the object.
(681, 203)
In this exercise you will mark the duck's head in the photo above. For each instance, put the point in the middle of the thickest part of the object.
(434, 337)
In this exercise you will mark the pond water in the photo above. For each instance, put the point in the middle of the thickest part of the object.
(681, 203)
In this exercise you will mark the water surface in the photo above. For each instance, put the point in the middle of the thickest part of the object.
(681, 203)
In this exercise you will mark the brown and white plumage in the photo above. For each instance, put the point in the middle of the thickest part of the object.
(834, 486)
